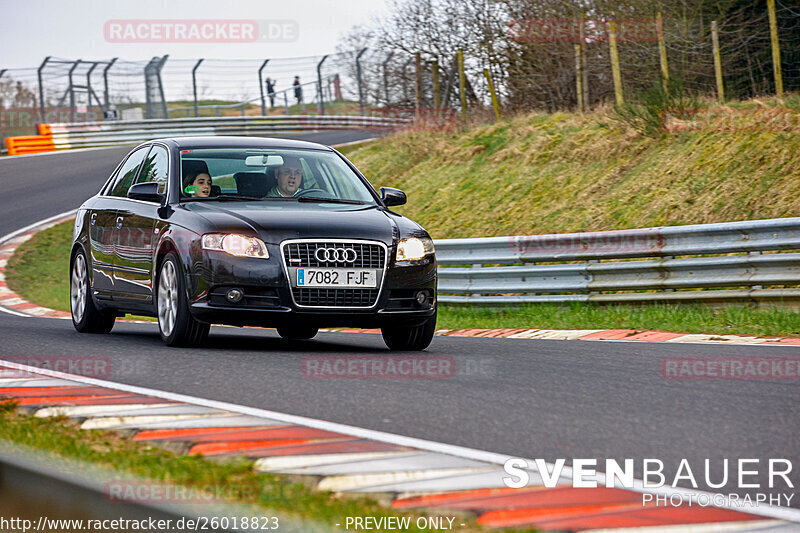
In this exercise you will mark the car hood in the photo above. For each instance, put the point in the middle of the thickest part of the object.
(275, 223)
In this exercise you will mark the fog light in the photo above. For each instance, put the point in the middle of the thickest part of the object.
(422, 297)
(234, 296)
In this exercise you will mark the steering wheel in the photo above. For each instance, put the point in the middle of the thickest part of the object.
(309, 192)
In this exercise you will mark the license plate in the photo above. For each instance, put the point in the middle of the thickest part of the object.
(337, 277)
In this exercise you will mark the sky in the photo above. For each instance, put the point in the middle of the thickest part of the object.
(30, 30)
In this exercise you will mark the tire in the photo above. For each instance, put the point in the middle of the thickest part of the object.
(176, 325)
(297, 333)
(86, 317)
(412, 338)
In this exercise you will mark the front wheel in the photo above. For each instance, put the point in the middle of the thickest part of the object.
(86, 317)
(176, 324)
(409, 338)
(297, 332)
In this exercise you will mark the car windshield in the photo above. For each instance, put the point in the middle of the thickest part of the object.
(269, 175)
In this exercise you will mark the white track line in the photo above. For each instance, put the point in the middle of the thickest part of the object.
(782, 513)
(35, 225)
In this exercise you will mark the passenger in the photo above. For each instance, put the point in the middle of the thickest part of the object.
(197, 185)
(289, 177)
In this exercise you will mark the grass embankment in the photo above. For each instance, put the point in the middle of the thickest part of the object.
(233, 477)
(38, 271)
(557, 173)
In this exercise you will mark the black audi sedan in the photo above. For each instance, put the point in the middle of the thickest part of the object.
(248, 231)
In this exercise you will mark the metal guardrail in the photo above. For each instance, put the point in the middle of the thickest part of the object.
(577, 266)
(121, 132)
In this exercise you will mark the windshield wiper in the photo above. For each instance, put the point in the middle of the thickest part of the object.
(317, 199)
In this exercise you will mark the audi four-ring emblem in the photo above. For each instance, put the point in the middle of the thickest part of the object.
(336, 255)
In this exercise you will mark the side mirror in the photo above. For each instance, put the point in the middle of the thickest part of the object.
(392, 196)
(147, 192)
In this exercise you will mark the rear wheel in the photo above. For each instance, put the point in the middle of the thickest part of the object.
(297, 332)
(86, 317)
(409, 338)
(176, 324)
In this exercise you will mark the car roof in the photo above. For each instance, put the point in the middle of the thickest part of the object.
(240, 142)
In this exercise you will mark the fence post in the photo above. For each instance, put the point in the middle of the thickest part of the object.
(41, 87)
(358, 77)
(662, 49)
(319, 85)
(194, 86)
(615, 71)
(437, 98)
(462, 85)
(717, 61)
(72, 91)
(776, 48)
(495, 103)
(261, 88)
(386, 77)
(418, 85)
(579, 76)
(106, 98)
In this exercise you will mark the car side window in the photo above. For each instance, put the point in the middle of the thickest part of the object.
(155, 168)
(127, 173)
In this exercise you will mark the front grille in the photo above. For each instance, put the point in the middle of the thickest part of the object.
(335, 297)
(301, 254)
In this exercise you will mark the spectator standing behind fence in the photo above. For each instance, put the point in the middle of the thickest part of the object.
(298, 90)
(271, 91)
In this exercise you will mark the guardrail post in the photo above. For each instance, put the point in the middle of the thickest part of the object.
(286, 102)
(386, 77)
(194, 86)
(321, 104)
(358, 77)
(261, 88)
(41, 87)
(106, 98)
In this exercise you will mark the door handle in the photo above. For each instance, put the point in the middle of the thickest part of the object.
(93, 219)
(119, 222)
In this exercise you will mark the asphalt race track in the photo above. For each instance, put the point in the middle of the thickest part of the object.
(528, 398)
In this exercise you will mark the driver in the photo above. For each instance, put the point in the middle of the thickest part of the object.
(289, 177)
(197, 185)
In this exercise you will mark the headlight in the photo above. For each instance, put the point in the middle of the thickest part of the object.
(414, 249)
(238, 245)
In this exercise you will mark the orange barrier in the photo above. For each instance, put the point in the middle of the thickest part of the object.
(32, 144)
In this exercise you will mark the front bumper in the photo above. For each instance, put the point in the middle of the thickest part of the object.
(268, 300)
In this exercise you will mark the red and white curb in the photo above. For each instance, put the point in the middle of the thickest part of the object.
(404, 472)
(13, 303)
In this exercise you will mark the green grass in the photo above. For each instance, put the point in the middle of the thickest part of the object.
(38, 271)
(234, 476)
